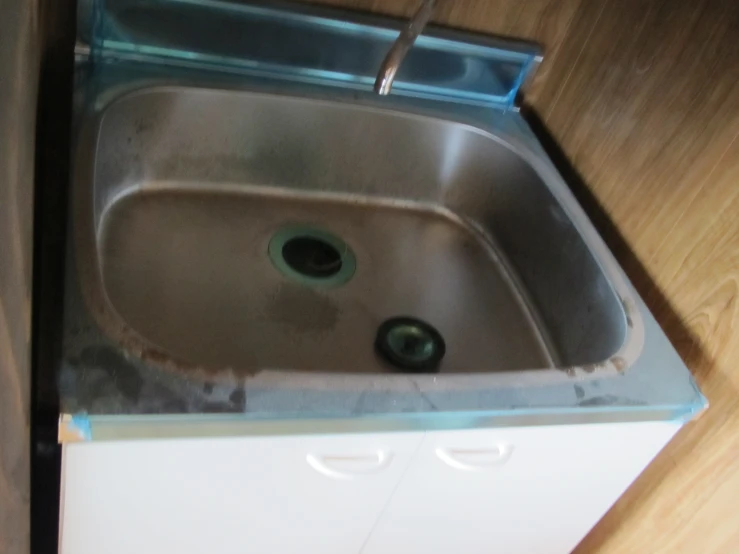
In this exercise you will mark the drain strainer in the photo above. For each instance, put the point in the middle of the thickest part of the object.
(409, 343)
(312, 256)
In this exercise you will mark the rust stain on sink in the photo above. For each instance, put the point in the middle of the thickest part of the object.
(303, 309)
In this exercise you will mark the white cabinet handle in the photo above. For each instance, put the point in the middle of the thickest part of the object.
(478, 459)
(350, 467)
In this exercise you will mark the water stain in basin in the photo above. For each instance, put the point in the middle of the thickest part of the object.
(627, 306)
(610, 400)
(127, 380)
(238, 397)
(303, 309)
(619, 363)
(591, 368)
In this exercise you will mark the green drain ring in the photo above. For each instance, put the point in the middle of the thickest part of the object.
(341, 277)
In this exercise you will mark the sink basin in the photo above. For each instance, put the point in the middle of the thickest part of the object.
(187, 191)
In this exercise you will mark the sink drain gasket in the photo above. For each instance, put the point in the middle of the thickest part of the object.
(311, 256)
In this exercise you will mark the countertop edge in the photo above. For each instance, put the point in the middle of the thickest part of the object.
(93, 428)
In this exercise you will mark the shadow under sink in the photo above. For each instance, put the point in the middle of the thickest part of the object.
(243, 231)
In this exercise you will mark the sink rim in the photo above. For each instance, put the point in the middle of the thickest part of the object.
(114, 326)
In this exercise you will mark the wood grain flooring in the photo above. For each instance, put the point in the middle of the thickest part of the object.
(643, 97)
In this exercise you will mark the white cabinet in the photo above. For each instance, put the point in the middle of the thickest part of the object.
(535, 490)
(300, 494)
(517, 490)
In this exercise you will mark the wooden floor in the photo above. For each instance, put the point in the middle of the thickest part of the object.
(643, 97)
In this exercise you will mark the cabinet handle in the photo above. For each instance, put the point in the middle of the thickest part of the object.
(479, 459)
(350, 467)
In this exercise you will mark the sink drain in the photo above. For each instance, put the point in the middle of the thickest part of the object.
(312, 256)
(409, 343)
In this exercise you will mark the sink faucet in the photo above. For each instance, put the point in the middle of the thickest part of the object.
(403, 43)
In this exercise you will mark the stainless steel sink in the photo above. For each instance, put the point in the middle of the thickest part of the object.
(256, 233)
(183, 190)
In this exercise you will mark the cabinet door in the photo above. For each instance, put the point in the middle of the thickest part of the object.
(229, 495)
(513, 490)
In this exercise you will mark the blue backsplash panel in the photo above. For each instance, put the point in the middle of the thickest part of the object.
(309, 44)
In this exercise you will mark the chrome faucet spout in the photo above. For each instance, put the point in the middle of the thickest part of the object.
(398, 51)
